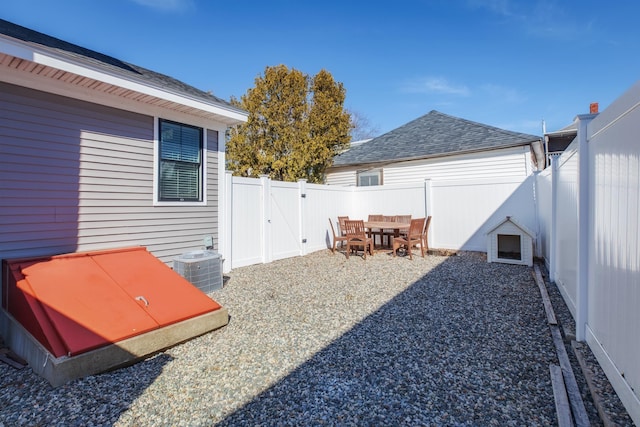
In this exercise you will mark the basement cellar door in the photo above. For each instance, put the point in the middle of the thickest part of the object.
(79, 314)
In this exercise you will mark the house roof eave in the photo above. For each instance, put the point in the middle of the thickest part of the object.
(50, 57)
(435, 134)
(382, 163)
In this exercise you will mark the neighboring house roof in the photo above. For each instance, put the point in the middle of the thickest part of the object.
(570, 128)
(52, 52)
(558, 141)
(432, 135)
(353, 144)
(359, 142)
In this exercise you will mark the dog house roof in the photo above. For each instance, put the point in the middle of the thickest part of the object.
(524, 229)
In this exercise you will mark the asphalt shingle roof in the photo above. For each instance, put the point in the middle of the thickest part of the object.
(432, 135)
(104, 62)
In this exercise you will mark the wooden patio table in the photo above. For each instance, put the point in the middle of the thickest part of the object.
(382, 225)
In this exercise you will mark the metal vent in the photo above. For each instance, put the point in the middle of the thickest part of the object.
(203, 269)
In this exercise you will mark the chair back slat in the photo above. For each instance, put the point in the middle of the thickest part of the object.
(349, 227)
(357, 237)
(416, 228)
(355, 228)
(404, 219)
(336, 238)
(425, 233)
(341, 220)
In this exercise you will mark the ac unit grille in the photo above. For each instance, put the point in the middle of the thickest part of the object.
(203, 269)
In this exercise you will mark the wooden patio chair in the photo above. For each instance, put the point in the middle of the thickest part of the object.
(405, 219)
(413, 238)
(389, 233)
(376, 231)
(341, 220)
(425, 235)
(357, 237)
(336, 238)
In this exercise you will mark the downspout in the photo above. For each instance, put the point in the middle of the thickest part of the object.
(554, 223)
(545, 144)
(538, 152)
(536, 205)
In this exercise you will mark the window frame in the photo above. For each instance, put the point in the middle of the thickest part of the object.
(157, 163)
(369, 173)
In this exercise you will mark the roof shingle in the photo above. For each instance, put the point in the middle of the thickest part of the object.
(432, 135)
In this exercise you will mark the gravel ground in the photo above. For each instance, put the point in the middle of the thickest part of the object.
(609, 406)
(322, 340)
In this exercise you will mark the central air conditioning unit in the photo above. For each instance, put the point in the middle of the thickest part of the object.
(203, 269)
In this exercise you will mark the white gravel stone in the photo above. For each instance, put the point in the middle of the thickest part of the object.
(322, 340)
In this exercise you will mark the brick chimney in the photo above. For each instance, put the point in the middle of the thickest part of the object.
(593, 108)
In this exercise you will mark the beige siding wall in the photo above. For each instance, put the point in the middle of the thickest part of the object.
(77, 176)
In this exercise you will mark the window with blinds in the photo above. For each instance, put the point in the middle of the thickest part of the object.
(369, 178)
(180, 162)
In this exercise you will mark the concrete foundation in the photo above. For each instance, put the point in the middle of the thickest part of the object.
(60, 370)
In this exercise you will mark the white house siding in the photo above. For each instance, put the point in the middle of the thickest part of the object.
(77, 176)
(503, 163)
(344, 178)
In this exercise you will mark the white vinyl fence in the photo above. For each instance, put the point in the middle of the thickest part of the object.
(464, 211)
(589, 211)
(271, 220)
(585, 210)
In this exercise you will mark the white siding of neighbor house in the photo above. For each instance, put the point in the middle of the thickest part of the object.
(502, 163)
(77, 176)
(343, 178)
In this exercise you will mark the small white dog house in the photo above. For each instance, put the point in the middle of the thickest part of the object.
(511, 243)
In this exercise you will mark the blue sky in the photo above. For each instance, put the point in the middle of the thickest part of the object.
(505, 63)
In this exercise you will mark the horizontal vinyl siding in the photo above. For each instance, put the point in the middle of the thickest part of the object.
(76, 176)
(344, 178)
(494, 164)
(505, 163)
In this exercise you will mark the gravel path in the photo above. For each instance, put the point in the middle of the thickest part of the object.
(322, 340)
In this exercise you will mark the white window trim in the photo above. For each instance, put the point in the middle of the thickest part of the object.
(370, 172)
(156, 168)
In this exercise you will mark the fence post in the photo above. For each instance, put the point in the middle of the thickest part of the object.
(554, 219)
(582, 293)
(302, 232)
(225, 230)
(428, 208)
(267, 247)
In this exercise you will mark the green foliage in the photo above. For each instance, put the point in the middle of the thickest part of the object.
(296, 125)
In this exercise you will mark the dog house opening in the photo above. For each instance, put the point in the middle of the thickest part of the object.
(509, 246)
